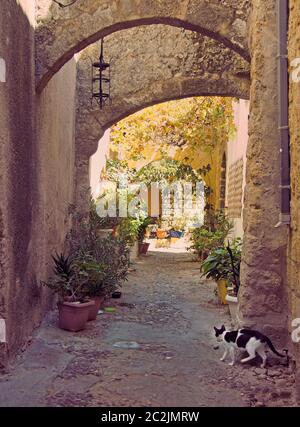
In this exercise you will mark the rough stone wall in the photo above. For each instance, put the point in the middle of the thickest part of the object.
(36, 174)
(176, 63)
(37, 163)
(17, 180)
(56, 159)
(63, 32)
(294, 243)
(262, 299)
(236, 161)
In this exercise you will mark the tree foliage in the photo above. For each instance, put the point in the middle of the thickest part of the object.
(163, 171)
(194, 122)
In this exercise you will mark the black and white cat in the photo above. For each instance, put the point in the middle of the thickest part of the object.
(245, 339)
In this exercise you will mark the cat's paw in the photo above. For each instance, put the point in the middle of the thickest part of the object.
(231, 364)
(222, 359)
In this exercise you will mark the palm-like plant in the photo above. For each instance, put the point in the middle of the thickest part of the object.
(63, 266)
(75, 275)
(64, 282)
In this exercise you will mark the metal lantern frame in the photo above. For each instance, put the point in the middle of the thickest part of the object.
(101, 80)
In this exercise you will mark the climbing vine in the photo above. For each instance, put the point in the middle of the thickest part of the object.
(190, 123)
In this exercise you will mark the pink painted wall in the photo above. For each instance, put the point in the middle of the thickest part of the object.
(98, 162)
(236, 150)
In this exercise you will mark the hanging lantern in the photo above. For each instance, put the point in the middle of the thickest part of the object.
(101, 80)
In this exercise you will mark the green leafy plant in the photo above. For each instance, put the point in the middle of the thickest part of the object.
(166, 171)
(113, 254)
(235, 254)
(96, 222)
(92, 274)
(218, 221)
(115, 168)
(143, 227)
(104, 261)
(210, 236)
(67, 280)
(224, 263)
(215, 265)
(190, 123)
(128, 230)
(63, 266)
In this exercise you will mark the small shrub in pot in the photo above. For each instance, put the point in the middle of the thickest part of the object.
(68, 282)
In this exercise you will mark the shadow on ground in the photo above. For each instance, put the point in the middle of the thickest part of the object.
(166, 314)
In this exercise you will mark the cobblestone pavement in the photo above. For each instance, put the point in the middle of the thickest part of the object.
(166, 314)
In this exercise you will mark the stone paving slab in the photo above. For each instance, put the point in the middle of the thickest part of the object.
(168, 311)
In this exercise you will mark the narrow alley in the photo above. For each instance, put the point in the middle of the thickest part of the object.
(154, 347)
(149, 173)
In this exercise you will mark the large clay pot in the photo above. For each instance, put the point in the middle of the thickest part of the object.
(222, 291)
(95, 308)
(73, 316)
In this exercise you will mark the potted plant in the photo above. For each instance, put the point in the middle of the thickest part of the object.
(94, 287)
(214, 267)
(103, 263)
(210, 236)
(107, 266)
(68, 283)
(143, 246)
(222, 265)
(113, 254)
(128, 230)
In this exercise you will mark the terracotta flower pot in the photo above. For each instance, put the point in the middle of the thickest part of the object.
(98, 301)
(161, 234)
(146, 247)
(73, 316)
(143, 248)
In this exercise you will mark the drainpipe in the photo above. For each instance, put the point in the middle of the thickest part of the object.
(283, 122)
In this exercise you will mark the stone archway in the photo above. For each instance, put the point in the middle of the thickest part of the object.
(188, 65)
(60, 33)
(262, 301)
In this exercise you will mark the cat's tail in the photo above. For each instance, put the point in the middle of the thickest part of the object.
(272, 348)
